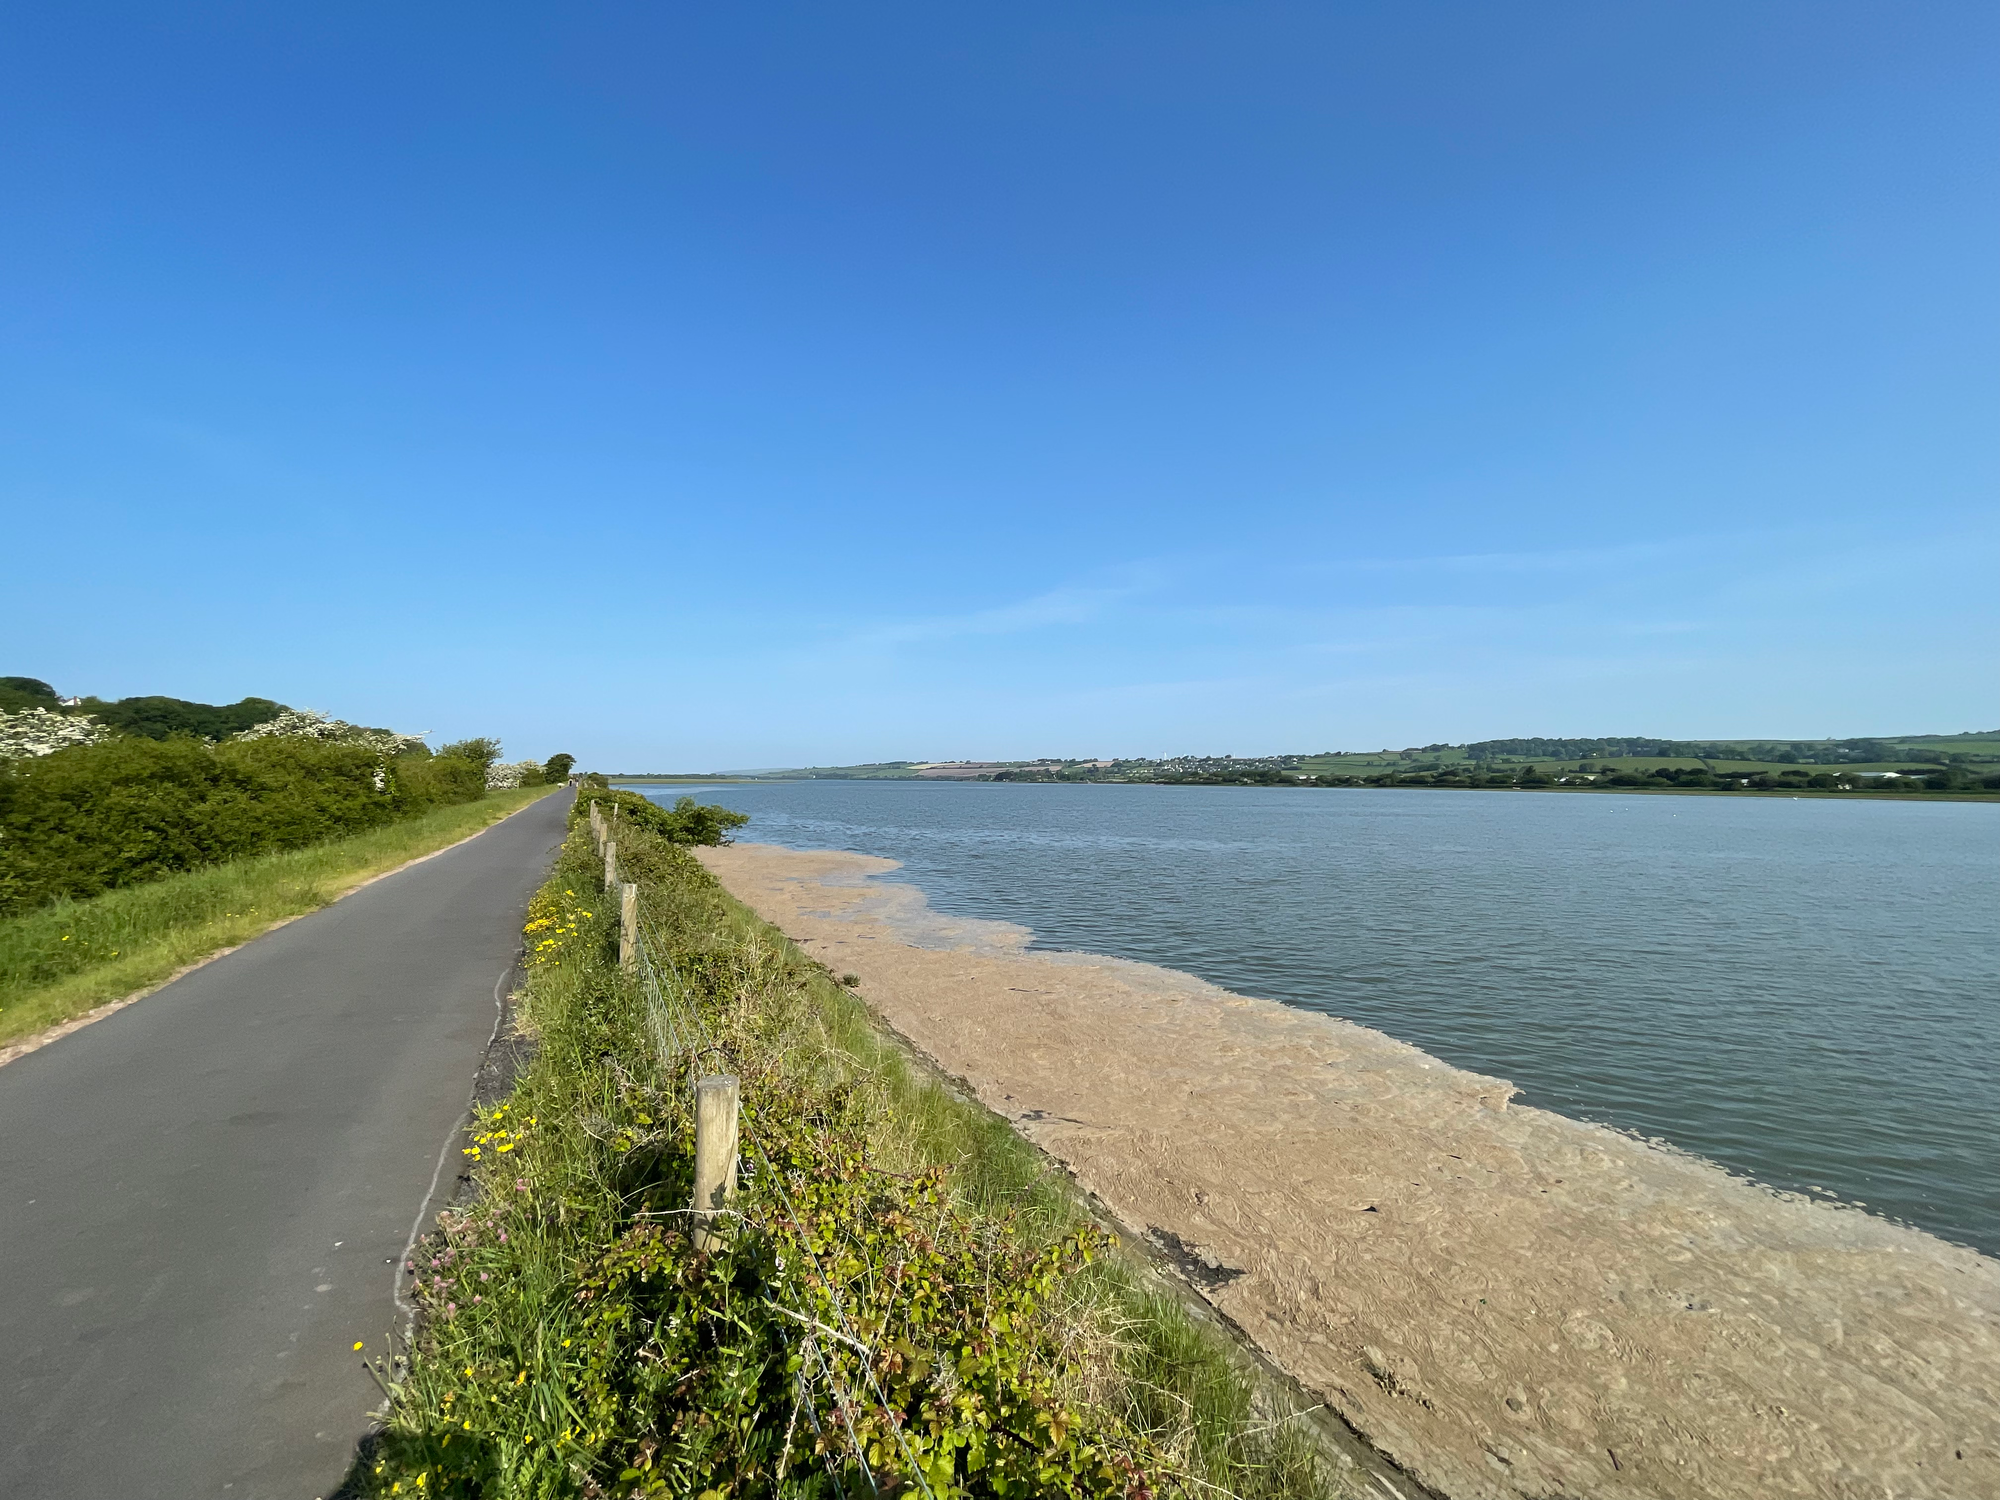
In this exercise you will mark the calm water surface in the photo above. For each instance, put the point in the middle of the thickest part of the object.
(1807, 991)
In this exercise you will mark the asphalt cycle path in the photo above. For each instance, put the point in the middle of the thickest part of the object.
(206, 1197)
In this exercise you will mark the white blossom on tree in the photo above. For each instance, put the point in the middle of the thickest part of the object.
(40, 731)
(504, 777)
(307, 724)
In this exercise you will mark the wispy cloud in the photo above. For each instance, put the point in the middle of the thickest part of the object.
(1070, 605)
(1558, 560)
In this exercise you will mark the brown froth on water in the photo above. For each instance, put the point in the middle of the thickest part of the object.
(1506, 1302)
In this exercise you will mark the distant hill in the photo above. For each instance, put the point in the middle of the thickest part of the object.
(1769, 752)
(1608, 753)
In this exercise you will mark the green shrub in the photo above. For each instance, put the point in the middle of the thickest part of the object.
(85, 820)
(557, 769)
(686, 822)
(419, 782)
(63, 958)
(485, 751)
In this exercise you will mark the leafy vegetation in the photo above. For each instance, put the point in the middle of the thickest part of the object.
(28, 732)
(26, 692)
(686, 822)
(482, 751)
(59, 960)
(157, 718)
(152, 718)
(906, 1299)
(83, 820)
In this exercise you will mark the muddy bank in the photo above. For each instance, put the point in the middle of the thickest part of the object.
(1507, 1302)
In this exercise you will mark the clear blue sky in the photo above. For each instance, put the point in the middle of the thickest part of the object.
(705, 386)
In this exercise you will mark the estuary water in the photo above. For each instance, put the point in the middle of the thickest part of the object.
(1806, 991)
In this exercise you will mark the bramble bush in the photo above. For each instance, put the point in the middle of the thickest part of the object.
(906, 1300)
(858, 1330)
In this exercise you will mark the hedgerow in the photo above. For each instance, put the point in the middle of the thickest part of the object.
(59, 960)
(89, 818)
(879, 1317)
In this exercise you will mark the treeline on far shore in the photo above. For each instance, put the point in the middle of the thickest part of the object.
(1586, 776)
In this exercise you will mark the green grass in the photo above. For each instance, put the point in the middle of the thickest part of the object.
(528, 1376)
(61, 960)
(1185, 1383)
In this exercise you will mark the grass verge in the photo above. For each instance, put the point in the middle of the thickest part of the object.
(1223, 1428)
(909, 1298)
(62, 960)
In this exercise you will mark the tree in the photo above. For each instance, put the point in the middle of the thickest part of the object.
(156, 718)
(692, 822)
(557, 769)
(481, 751)
(26, 692)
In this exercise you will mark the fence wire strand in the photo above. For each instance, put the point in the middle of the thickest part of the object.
(671, 1020)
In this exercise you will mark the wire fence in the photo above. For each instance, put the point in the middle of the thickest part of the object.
(679, 1032)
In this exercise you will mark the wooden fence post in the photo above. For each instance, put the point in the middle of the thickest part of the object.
(610, 866)
(714, 1154)
(628, 925)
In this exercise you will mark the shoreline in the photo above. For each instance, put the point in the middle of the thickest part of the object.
(1505, 1301)
(1814, 794)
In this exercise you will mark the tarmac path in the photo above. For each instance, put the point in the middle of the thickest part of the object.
(205, 1197)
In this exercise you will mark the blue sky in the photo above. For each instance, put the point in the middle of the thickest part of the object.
(692, 387)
